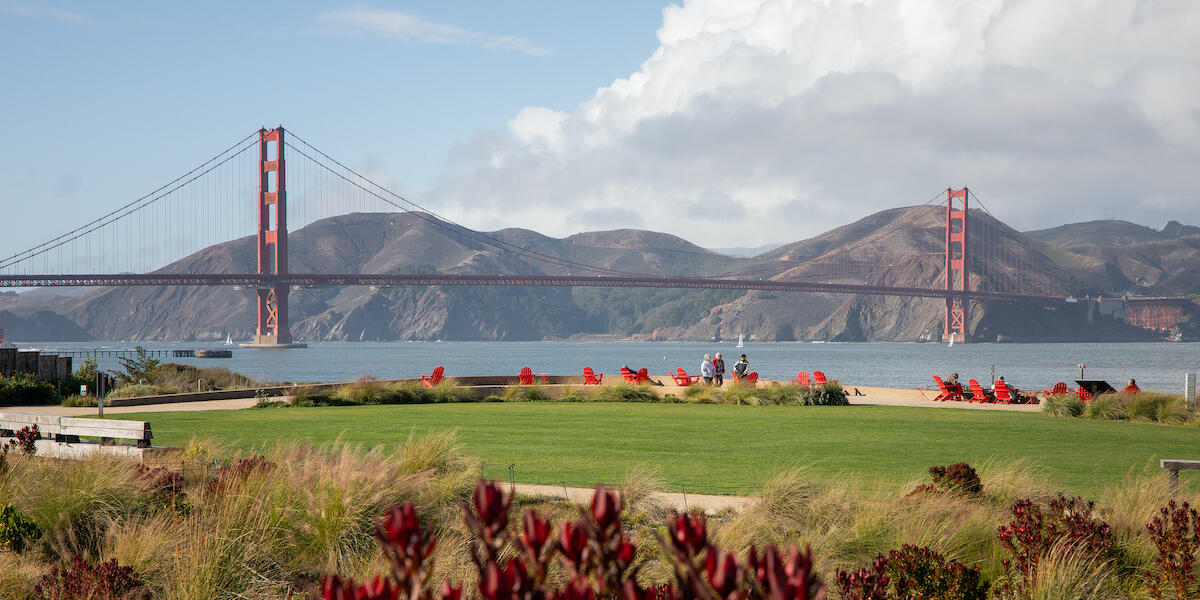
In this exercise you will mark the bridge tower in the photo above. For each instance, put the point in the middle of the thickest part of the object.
(957, 307)
(272, 330)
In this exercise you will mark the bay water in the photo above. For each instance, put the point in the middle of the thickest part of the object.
(1156, 366)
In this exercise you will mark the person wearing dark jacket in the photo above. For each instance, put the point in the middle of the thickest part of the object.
(718, 371)
(741, 368)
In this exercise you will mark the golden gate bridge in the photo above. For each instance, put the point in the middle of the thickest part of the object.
(248, 183)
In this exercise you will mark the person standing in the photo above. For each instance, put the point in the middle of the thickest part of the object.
(718, 370)
(741, 368)
(706, 369)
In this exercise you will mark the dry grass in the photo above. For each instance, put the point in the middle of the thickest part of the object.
(276, 531)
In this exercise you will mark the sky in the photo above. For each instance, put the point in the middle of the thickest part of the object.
(726, 122)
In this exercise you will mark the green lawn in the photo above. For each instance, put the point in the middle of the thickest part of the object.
(713, 448)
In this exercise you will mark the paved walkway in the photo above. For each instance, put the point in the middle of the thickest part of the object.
(873, 395)
(670, 500)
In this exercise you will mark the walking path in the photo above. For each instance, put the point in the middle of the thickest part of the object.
(671, 500)
(880, 396)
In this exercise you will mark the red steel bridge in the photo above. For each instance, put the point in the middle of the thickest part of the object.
(251, 184)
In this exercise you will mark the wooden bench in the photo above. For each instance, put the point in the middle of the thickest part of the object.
(1175, 466)
(70, 429)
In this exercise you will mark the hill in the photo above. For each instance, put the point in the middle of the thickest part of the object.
(897, 247)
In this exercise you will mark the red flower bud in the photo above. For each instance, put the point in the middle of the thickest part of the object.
(401, 533)
(379, 588)
(626, 551)
(491, 507)
(572, 543)
(495, 584)
(689, 533)
(723, 571)
(449, 592)
(537, 532)
(606, 508)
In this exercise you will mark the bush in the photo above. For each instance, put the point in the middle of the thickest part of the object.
(1066, 524)
(598, 559)
(1175, 533)
(1064, 405)
(80, 401)
(526, 393)
(830, 394)
(922, 573)
(138, 390)
(83, 581)
(1106, 407)
(15, 530)
(958, 479)
(24, 388)
(1157, 408)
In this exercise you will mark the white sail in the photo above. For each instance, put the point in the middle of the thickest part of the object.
(741, 341)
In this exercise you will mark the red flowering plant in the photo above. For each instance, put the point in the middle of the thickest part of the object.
(959, 479)
(1176, 534)
(598, 558)
(1033, 530)
(85, 581)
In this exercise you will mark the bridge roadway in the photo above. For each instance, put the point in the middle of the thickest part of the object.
(301, 280)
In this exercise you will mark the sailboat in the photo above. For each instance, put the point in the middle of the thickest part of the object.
(951, 341)
(228, 340)
(741, 341)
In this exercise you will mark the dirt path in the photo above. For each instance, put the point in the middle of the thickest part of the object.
(671, 500)
(914, 398)
(81, 411)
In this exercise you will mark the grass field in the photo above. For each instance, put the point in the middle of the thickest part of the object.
(713, 448)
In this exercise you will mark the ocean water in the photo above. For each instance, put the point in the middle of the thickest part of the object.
(1156, 366)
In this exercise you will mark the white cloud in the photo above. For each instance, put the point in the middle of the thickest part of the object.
(408, 27)
(24, 9)
(788, 117)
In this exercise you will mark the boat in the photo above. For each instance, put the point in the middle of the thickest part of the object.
(951, 341)
(741, 341)
(228, 340)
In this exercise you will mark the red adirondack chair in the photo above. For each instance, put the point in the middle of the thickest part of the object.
(1002, 394)
(432, 380)
(526, 376)
(628, 375)
(752, 378)
(590, 377)
(1059, 389)
(682, 378)
(818, 378)
(643, 376)
(977, 392)
(947, 391)
(802, 379)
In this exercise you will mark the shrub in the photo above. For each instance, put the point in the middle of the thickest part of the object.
(598, 559)
(26, 439)
(1064, 405)
(237, 471)
(137, 390)
(830, 394)
(24, 388)
(83, 581)
(922, 573)
(623, 392)
(1106, 407)
(161, 481)
(1158, 408)
(16, 530)
(525, 393)
(1065, 523)
(868, 583)
(1175, 533)
(80, 401)
(959, 479)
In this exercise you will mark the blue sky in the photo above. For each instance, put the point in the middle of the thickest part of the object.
(726, 122)
(106, 101)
